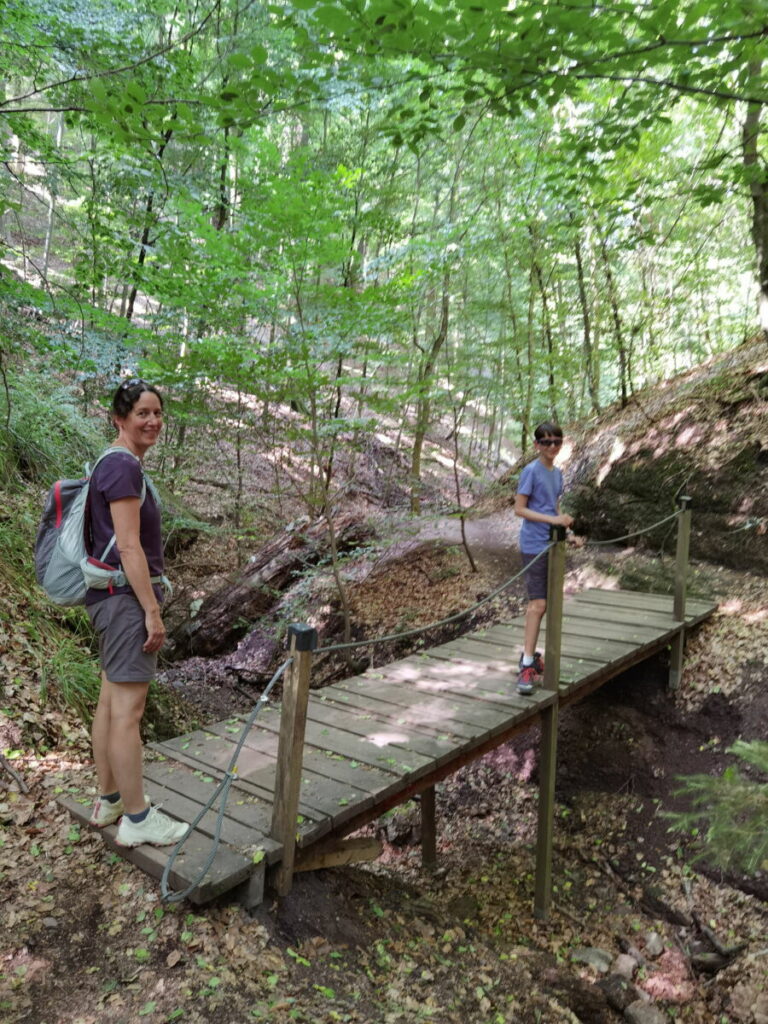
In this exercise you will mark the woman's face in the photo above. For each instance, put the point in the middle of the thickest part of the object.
(141, 427)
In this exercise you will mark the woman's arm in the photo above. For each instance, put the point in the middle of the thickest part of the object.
(125, 518)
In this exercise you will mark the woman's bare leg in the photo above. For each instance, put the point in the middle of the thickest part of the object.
(117, 747)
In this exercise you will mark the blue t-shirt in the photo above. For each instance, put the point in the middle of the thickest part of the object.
(118, 476)
(543, 488)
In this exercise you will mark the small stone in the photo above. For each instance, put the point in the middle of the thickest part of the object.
(625, 965)
(599, 959)
(643, 1013)
(50, 922)
(619, 991)
(654, 945)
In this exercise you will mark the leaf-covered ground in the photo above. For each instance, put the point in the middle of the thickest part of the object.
(86, 938)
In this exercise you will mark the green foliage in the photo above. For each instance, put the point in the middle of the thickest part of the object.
(46, 436)
(731, 809)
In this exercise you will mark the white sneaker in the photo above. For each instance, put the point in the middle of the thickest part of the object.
(157, 829)
(105, 813)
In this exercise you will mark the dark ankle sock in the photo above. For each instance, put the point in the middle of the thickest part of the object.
(138, 818)
(111, 798)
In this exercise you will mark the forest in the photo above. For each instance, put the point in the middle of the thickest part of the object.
(363, 247)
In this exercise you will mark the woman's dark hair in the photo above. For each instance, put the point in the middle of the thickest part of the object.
(127, 395)
(547, 430)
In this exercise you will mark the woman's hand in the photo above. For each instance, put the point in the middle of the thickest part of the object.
(155, 632)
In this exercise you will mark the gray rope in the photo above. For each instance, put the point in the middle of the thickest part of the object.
(440, 622)
(169, 895)
(635, 533)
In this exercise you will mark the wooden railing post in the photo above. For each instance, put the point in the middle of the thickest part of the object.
(681, 581)
(549, 720)
(293, 721)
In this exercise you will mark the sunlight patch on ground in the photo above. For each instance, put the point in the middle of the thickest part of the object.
(617, 450)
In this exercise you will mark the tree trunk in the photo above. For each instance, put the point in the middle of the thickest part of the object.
(226, 615)
(757, 176)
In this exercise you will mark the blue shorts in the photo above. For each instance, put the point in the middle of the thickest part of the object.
(536, 573)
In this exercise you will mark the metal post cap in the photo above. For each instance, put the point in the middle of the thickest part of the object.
(306, 636)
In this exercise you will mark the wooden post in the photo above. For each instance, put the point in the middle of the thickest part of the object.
(428, 830)
(549, 718)
(681, 580)
(293, 721)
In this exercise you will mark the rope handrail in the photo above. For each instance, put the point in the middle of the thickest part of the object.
(175, 896)
(433, 625)
(635, 533)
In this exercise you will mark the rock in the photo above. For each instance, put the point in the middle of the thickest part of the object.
(625, 965)
(50, 922)
(653, 945)
(619, 991)
(598, 959)
(643, 1013)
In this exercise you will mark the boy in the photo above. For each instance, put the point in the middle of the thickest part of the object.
(537, 502)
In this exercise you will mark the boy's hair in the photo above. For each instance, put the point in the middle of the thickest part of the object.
(547, 430)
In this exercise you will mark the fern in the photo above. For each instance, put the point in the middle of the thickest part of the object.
(732, 809)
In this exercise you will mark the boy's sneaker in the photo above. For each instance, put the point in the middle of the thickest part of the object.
(105, 813)
(538, 663)
(157, 829)
(526, 679)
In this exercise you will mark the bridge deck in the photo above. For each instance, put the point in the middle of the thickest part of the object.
(375, 740)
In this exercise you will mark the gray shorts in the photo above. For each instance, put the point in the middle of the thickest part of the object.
(536, 576)
(119, 621)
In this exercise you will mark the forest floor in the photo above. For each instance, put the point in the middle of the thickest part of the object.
(86, 938)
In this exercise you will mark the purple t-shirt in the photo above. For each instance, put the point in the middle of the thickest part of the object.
(119, 476)
(543, 487)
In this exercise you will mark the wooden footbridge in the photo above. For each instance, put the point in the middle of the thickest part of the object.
(329, 761)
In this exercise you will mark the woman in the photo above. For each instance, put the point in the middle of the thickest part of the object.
(127, 618)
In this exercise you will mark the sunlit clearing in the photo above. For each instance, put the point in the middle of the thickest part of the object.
(731, 607)
(761, 615)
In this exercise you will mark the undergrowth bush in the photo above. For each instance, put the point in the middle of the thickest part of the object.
(732, 810)
(46, 436)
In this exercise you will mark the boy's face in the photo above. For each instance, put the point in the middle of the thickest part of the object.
(548, 448)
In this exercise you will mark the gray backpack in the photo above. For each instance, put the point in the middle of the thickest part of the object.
(63, 567)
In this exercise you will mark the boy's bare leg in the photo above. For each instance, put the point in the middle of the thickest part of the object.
(534, 613)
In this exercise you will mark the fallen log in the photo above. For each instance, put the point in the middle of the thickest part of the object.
(228, 614)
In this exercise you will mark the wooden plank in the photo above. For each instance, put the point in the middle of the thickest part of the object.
(394, 756)
(391, 723)
(214, 761)
(433, 707)
(619, 616)
(434, 676)
(345, 851)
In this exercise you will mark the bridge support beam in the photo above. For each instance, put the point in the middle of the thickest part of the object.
(681, 581)
(549, 722)
(428, 829)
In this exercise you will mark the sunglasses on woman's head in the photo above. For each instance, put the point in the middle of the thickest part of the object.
(547, 442)
(134, 382)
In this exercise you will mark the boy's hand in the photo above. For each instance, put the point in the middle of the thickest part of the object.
(563, 520)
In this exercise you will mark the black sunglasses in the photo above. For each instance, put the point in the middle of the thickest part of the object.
(547, 442)
(133, 382)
